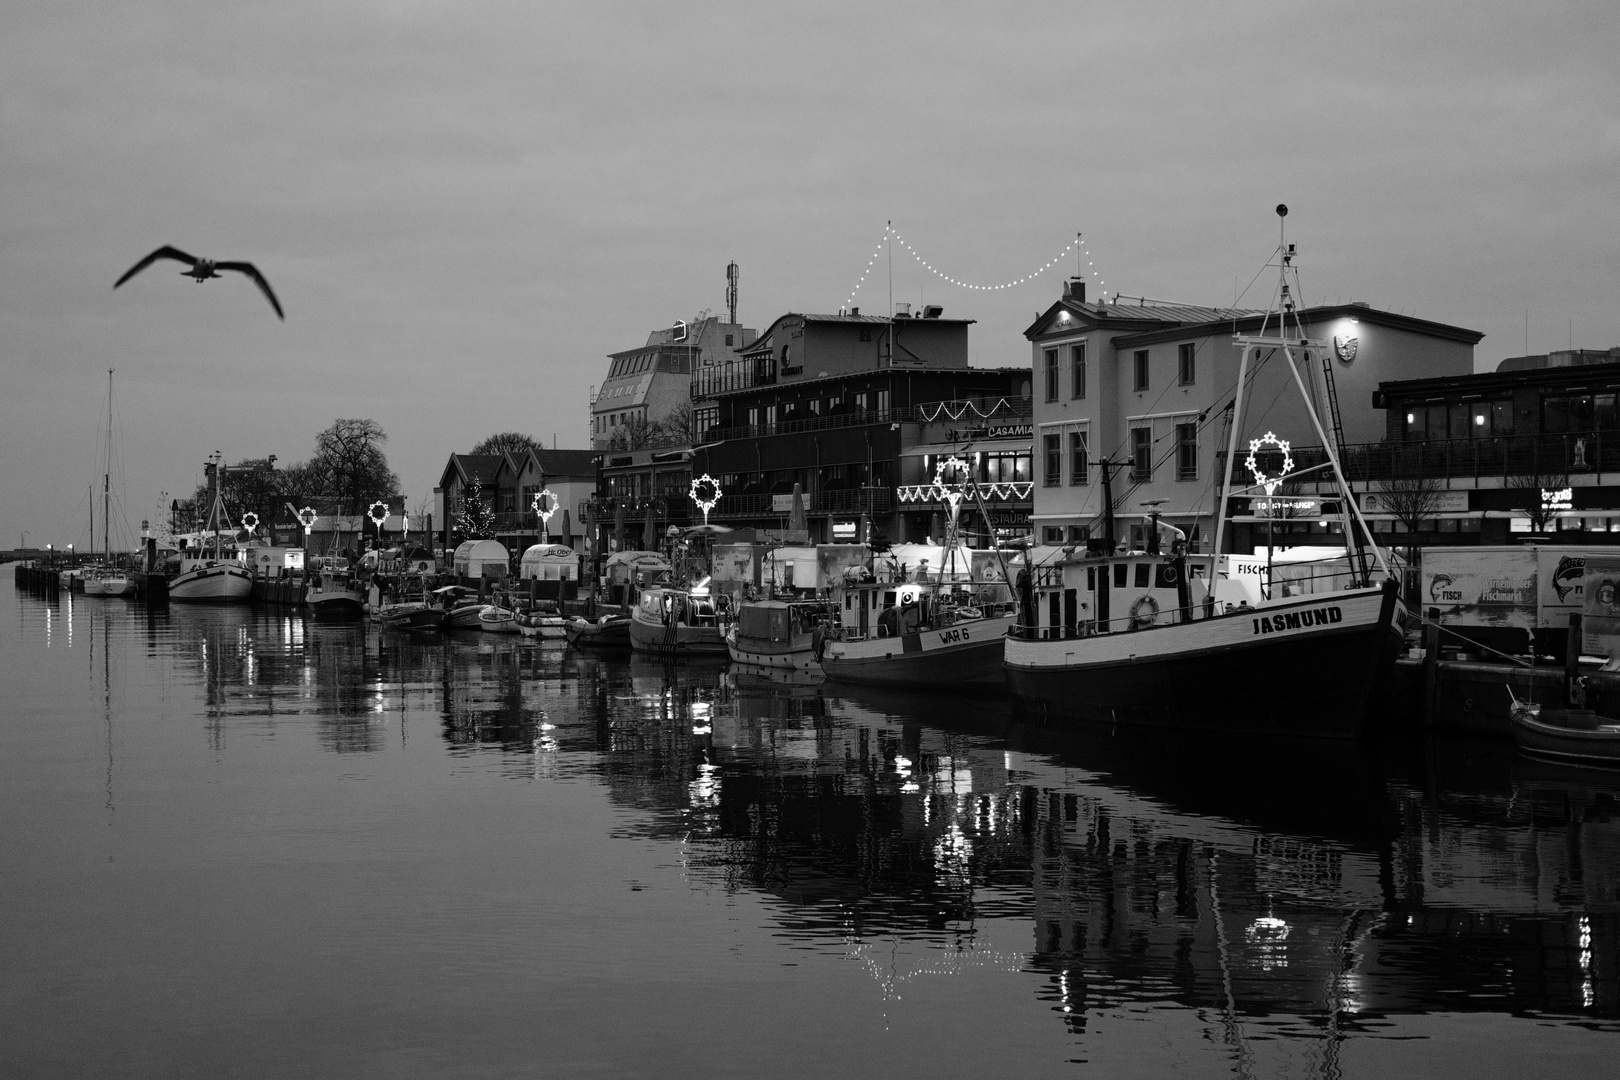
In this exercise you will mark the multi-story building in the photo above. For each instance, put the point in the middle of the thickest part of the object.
(1532, 447)
(1138, 393)
(648, 391)
(830, 404)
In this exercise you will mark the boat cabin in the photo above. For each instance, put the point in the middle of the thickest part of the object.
(674, 607)
(866, 609)
(778, 620)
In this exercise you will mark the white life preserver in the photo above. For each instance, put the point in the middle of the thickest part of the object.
(1144, 612)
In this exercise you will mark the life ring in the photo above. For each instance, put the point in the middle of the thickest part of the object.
(1169, 574)
(1144, 612)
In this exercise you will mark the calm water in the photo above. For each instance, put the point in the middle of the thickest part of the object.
(236, 844)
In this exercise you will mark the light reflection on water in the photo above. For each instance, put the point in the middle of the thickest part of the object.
(243, 838)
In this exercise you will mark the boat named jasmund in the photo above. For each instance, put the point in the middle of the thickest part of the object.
(1203, 642)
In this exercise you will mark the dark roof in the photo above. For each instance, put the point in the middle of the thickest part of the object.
(868, 320)
(1138, 316)
(1597, 376)
(567, 462)
(467, 466)
(1250, 322)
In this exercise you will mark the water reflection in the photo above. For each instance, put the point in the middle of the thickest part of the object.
(1274, 894)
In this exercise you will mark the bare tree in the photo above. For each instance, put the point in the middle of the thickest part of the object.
(1413, 500)
(634, 434)
(1532, 487)
(350, 454)
(679, 428)
(509, 442)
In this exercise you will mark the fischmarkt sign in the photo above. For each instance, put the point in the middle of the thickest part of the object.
(1445, 502)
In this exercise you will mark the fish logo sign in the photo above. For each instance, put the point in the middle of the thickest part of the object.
(1440, 590)
(1568, 575)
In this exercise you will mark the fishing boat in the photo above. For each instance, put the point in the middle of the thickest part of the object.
(667, 621)
(1574, 736)
(215, 578)
(461, 607)
(1172, 639)
(333, 593)
(778, 633)
(607, 632)
(411, 615)
(918, 634)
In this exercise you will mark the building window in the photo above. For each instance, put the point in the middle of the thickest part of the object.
(1141, 453)
(866, 333)
(770, 415)
(1005, 467)
(1052, 534)
(1140, 365)
(1187, 451)
(729, 339)
(1186, 355)
(1051, 375)
(860, 401)
(753, 416)
(1054, 460)
(1077, 374)
(1077, 458)
(883, 401)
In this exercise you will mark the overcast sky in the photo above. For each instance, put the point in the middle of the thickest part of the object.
(465, 206)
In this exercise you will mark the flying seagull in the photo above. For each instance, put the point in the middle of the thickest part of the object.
(203, 269)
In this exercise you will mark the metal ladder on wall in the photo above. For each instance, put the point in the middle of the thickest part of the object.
(1331, 395)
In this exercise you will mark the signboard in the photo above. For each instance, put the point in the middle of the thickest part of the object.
(844, 530)
(1527, 587)
(1600, 608)
(783, 504)
(1445, 502)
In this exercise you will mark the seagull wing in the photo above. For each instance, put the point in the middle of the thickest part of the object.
(253, 272)
(164, 252)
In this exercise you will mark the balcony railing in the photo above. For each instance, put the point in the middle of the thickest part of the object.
(879, 500)
(852, 418)
(1501, 457)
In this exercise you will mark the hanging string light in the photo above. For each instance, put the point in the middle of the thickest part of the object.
(1077, 242)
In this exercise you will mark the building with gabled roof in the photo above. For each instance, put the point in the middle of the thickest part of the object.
(1143, 391)
(509, 484)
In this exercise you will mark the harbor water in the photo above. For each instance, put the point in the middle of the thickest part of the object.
(236, 843)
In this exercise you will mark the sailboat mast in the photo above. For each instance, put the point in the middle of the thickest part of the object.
(106, 479)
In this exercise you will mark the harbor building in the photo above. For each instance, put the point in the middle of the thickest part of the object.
(646, 398)
(1532, 448)
(1137, 392)
(829, 404)
(508, 485)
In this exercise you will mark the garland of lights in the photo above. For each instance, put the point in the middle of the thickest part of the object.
(952, 492)
(890, 231)
(544, 504)
(1260, 476)
(961, 410)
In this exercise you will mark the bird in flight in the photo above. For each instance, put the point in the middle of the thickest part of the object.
(203, 269)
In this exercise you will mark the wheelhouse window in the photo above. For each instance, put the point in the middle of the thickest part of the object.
(1077, 372)
(1140, 365)
(1186, 358)
(1054, 460)
(1141, 453)
(1051, 374)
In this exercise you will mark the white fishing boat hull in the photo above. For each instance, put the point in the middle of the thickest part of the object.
(212, 582)
(497, 620)
(1307, 666)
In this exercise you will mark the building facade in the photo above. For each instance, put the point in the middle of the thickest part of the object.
(1132, 403)
(647, 394)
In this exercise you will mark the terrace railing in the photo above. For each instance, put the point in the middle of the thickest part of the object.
(852, 418)
(1500, 457)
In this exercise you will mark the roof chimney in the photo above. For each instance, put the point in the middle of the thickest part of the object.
(1075, 289)
(902, 309)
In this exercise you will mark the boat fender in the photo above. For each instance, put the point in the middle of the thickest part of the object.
(1144, 612)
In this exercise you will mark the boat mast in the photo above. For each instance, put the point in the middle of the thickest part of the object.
(106, 478)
